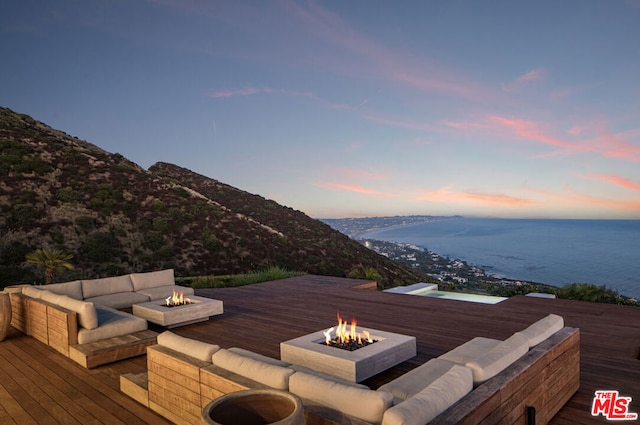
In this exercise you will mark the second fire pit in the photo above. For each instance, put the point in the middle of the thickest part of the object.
(379, 352)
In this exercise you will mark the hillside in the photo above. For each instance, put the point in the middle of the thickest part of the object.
(115, 217)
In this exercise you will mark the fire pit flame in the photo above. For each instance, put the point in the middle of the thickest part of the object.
(176, 299)
(347, 339)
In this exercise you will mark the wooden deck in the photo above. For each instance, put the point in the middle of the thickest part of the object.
(40, 386)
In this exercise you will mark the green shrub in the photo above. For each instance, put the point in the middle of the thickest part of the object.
(181, 192)
(153, 240)
(85, 222)
(209, 241)
(227, 281)
(24, 215)
(101, 247)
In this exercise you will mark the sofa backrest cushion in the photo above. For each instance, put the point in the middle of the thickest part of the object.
(411, 383)
(271, 375)
(543, 329)
(364, 404)
(107, 285)
(72, 289)
(87, 315)
(32, 291)
(432, 400)
(258, 356)
(50, 297)
(499, 358)
(152, 279)
(191, 347)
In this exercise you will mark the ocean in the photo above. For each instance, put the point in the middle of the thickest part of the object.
(555, 252)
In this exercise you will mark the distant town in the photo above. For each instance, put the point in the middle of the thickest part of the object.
(449, 274)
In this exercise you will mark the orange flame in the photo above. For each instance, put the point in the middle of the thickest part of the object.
(177, 298)
(343, 335)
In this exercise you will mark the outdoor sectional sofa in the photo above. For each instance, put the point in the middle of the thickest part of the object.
(525, 379)
(81, 319)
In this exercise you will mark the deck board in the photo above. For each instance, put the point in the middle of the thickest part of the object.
(40, 386)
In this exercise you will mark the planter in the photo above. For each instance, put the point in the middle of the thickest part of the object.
(5, 315)
(255, 407)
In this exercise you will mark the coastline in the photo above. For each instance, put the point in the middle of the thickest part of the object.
(505, 241)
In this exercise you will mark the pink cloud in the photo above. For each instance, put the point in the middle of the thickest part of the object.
(616, 181)
(354, 188)
(576, 130)
(575, 200)
(531, 130)
(446, 194)
(617, 145)
(519, 83)
(607, 144)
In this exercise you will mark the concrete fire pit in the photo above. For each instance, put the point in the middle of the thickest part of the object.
(355, 366)
(198, 311)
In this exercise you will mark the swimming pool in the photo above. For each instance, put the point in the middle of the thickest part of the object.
(425, 290)
(460, 296)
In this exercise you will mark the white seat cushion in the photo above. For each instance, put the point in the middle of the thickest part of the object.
(108, 285)
(119, 299)
(470, 350)
(268, 374)
(432, 400)
(364, 404)
(72, 289)
(299, 368)
(50, 297)
(32, 291)
(197, 349)
(152, 279)
(257, 356)
(543, 329)
(416, 380)
(86, 311)
(499, 358)
(111, 323)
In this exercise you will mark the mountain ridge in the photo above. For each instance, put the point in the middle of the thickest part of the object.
(116, 217)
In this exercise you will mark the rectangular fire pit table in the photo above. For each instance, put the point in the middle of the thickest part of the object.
(198, 311)
(355, 366)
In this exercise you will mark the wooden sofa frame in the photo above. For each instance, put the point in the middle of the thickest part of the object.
(57, 327)
(536, 386)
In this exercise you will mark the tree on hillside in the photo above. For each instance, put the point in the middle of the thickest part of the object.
(54, 261)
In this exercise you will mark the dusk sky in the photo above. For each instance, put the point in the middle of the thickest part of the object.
(350, 108)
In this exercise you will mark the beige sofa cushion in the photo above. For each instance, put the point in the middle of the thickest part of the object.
(162, 292)
(299, 368)
(108, 285)
(191, 347)
(271, 375)
(72, 289)
(111, 323)
(499, 358)
(542, 329)
(367, 405)
(432, 400)
(470, 350)
(152, 279)
(32, 291)
(256, 356)
(119, 300)
(50, 297)
(416, 380)
(87, 315)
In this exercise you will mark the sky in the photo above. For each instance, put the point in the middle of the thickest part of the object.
(350, 108)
